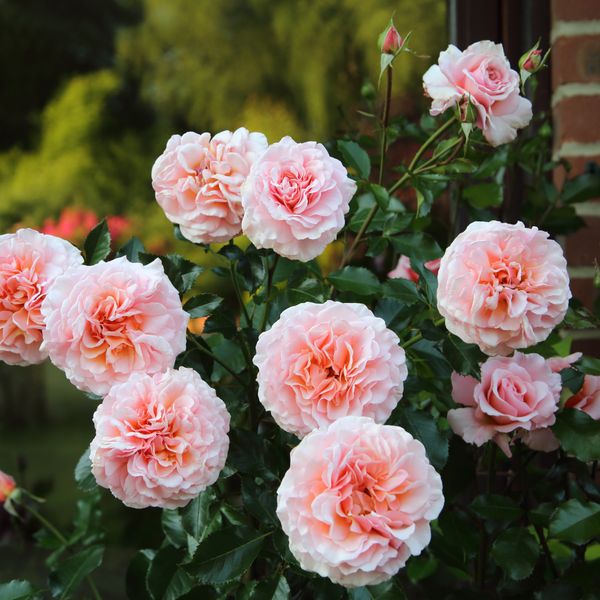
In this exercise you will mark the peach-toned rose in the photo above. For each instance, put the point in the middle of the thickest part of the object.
(321, 362)
(403, 270)
(160, 439)
(357, 500)
(197, 181)
(517, 394)
(29, 264)
(587, 398)
(295, 199)
(7, 486)
(114, 318)
(503, 286)
(482, 74)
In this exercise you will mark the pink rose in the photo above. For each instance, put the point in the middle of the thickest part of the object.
(517, 394)
(295, 199)
(482, 74)
(160, 439)
(321, 362)
(587, 398)
(7, 486)
(503, 286)
(197, 181)
(112, 319)
(403, 270)
(29, 264)
(357, 500)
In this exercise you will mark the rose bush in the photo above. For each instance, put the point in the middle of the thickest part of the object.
(329, 428)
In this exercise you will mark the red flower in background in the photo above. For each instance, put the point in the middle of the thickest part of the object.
(75, 223)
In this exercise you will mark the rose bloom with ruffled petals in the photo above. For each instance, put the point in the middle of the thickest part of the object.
(357, 501)
(160, 439)
(517, 394)
(197, 181)
(482, 75)
(321, 362)
(587, 398)
(502, 286)
(295, 199)
(111, 319)
(7, 486)
(29, 263)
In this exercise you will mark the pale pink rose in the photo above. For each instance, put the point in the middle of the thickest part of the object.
(295, 199)
(357, 501)
(321, 362)
(482, 74)
(517, 394)
(7, 486)
(160, 439)
(403, 270)
(559, 363)
(503, 286)
(197, 181)
(587, 398)
(112, 319)
(29, 263)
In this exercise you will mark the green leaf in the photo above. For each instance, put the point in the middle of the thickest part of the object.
(496, 507)
(355, 158)
(420, 246)
(132, 250)
(483, 195)
(581, 188)
(275, 588)
(578, 434)
(65, 579)
(226, 554)
(181, 272)
(97, 244)
(423, 427)
(172, 526)
(389, 590)
(137, 571)
(381, 195)
(196, 516)
(575, 521)
(403, 290)
(464, 358)
(17, 590)
(357, 280)
(165, 580)
(516, 551)
(202, 305)
(86, 482)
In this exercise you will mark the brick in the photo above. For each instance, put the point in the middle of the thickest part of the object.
(589, 347)
(577, 119)
(575, 10)
(583, 246)
(576, 60)
(584, 290)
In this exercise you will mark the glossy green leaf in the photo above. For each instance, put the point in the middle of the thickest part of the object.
(132, 250)
(381, 196)
(274, 588)
(496, 507)
(581, 188)
(69, 574)
(226, 554)
(97, 244)
(357, 280)
(483, 195)
(355, 158)
(389, 590)
(17, 590)
(403, 289)
(575, 521)
(516, 552)
(86, 482)
(202, 305)
(135, 577)
(578, 434)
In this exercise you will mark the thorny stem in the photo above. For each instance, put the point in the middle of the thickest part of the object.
(385, 122)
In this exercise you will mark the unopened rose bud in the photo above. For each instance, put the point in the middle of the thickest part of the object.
(392, 41)
(7, 486)
(466, 111)
(531, 61)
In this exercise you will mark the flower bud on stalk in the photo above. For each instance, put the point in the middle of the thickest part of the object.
(7, 487)
(531, 62)
(392, 41)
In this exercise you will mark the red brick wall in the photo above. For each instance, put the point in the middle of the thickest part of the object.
(575, 61)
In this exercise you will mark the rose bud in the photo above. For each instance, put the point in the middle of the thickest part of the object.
(531, 61)
(7, 487)
(392, 41)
